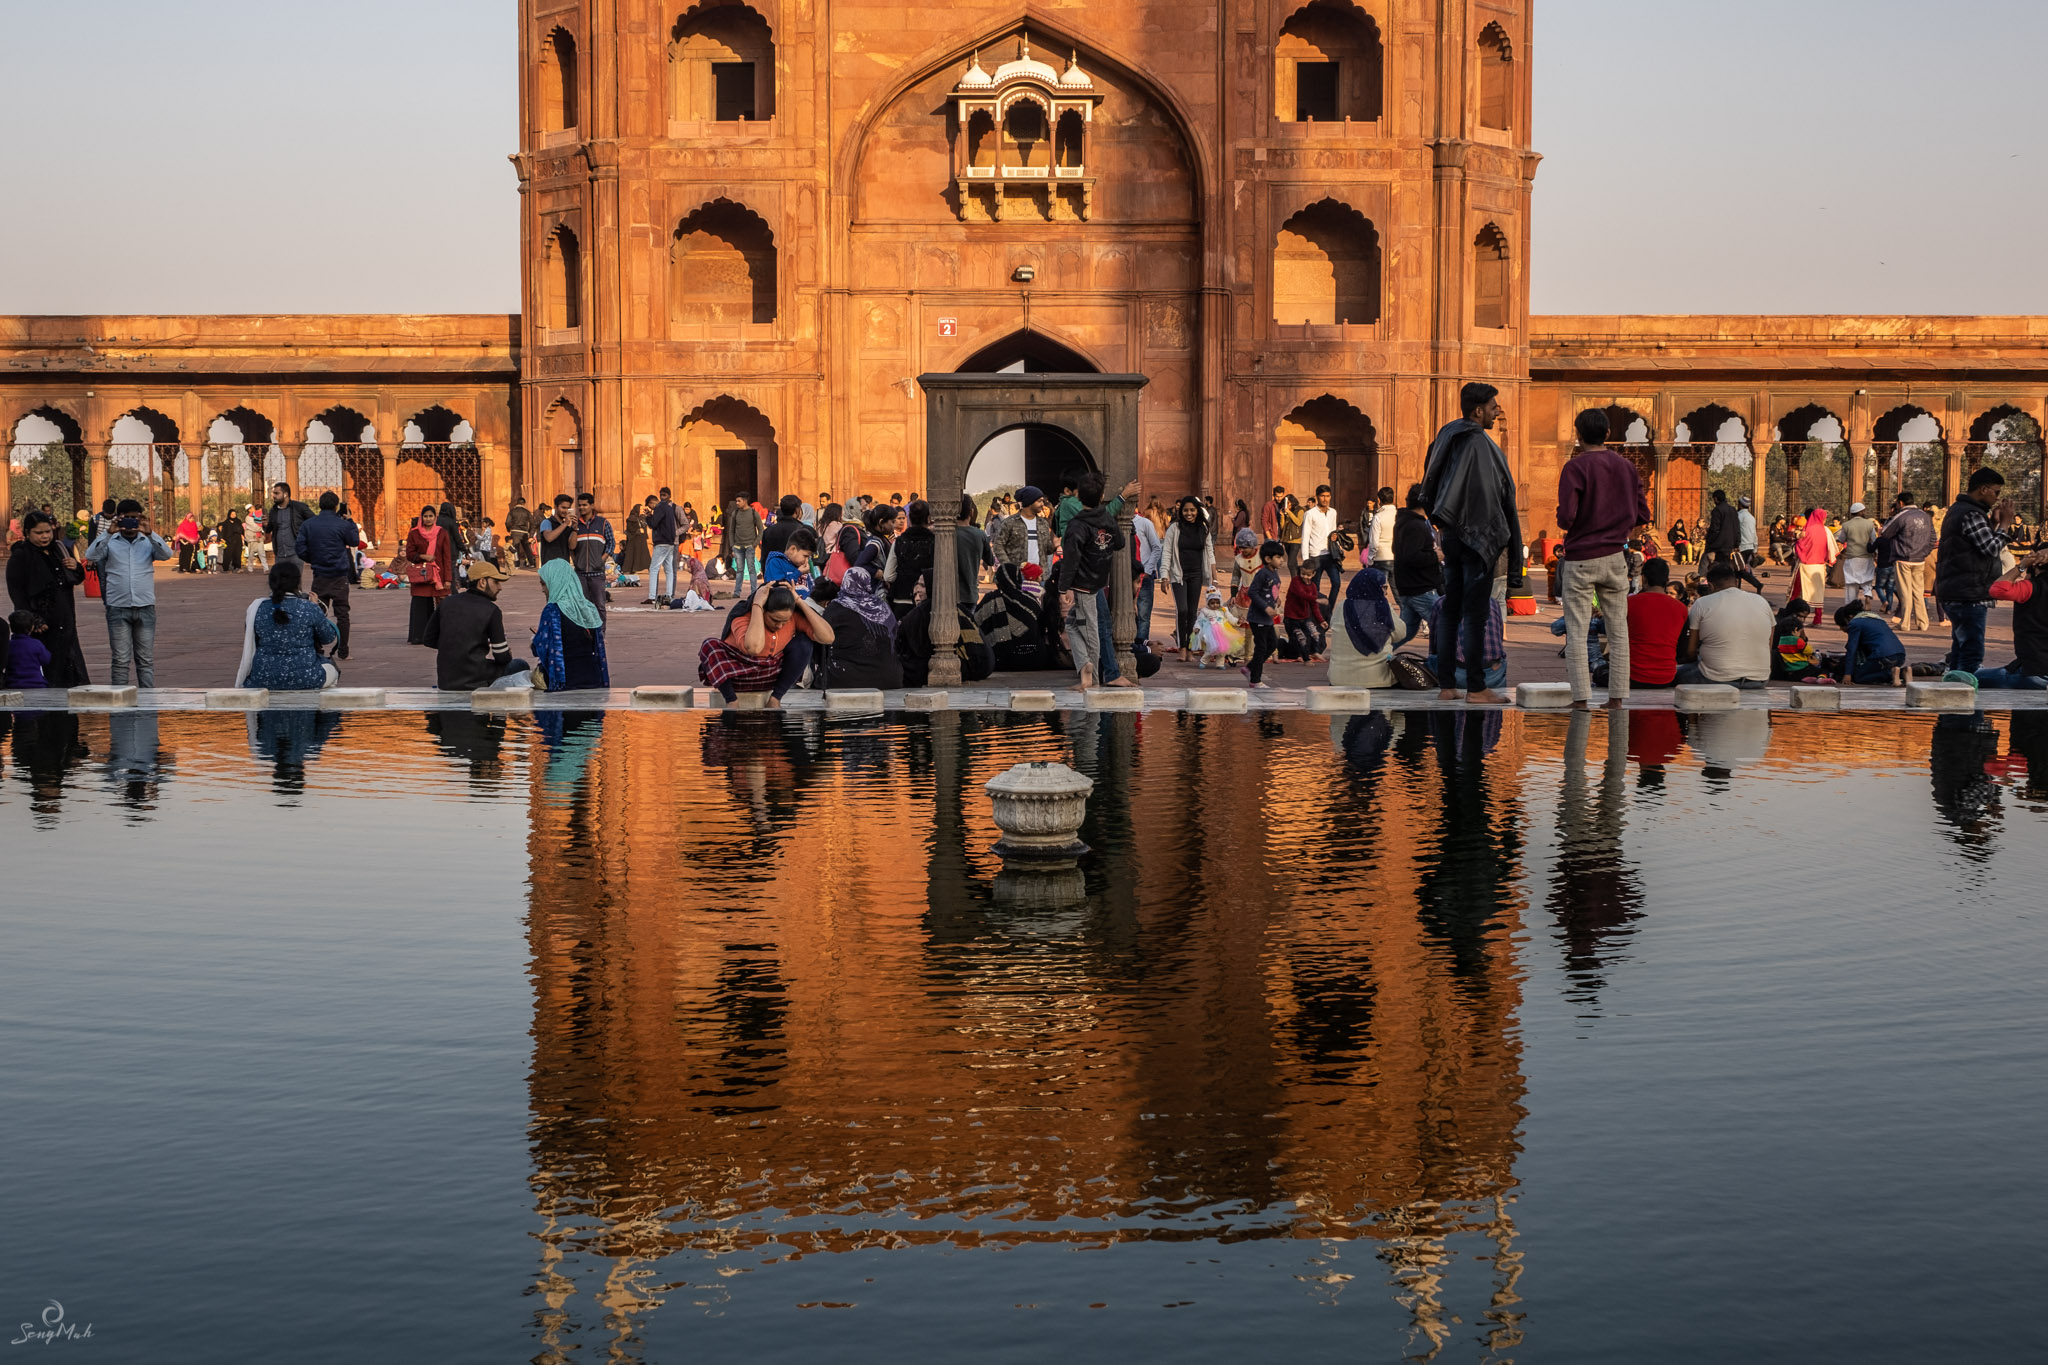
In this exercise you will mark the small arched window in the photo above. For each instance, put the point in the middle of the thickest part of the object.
(1326, 267)
(722, 60)
(1490, 278)
(1328, 65)
(725, 265)
(563, 286)
(1496, 79)
(558, 82)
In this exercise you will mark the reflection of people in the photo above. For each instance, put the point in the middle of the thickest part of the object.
(1594, 893)
(1728, 740)
(1964, 794)
(289, 740)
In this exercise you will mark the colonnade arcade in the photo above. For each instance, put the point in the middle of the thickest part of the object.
(384, 456)
(1790, 449)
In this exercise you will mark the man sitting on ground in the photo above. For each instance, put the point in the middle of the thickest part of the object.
(1728, 635)
(467, 636)
(1656, 623)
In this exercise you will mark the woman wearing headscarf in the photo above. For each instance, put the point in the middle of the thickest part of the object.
(41, 572)
(568, 644)
(1362, 646)
(187, 536)
(282, 636)
(1817, 550)
(863, 636)
(430, 569)
(1012, 625)
(1188, 562)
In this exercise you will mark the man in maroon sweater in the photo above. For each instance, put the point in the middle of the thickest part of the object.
(1599, 504)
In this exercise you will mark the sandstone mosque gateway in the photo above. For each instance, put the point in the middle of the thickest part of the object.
(748, 228)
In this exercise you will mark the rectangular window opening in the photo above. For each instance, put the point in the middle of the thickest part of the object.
(733, 84)
(1315, 92)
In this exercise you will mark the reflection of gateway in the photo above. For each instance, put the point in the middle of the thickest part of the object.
(733, 1054)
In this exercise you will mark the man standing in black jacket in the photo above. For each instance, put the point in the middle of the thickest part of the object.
(1724, 540)
(1087, 550)
(662, 525)
(1470, 494)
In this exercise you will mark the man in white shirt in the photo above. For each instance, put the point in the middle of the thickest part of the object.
(1380, 533)
(1317, 525)
(1728, 634)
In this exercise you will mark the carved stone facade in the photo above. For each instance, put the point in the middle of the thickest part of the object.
(784, 212)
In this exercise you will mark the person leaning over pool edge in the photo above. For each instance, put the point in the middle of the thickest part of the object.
(767, 646)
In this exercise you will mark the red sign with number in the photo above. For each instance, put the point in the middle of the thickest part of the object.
(949, 327)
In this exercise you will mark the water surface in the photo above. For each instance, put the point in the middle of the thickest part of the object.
(1441, 1036)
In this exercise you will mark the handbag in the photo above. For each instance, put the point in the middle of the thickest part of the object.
(427, 575)
(92, 581)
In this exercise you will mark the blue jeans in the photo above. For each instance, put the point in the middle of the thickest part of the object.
(1888, 589)
(131, 637)
(1415, 614)
(2011, 678)
(744, 568)
(664, 562)
(1331, 565)
(1966, 635)
(1468, 591)
(1111, 670)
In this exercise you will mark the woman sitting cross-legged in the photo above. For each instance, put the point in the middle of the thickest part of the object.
(767, 644)
(568, 643)
(282, 638)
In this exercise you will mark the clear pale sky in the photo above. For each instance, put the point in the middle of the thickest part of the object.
(1739, 156)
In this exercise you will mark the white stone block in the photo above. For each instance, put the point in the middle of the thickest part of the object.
(747, 701)
(854, 699)
(237, 698)
(1941, 696)
(665, 698)
(1226, 701)
(102, 697)
(1339, 699)
(1033, 701)
(1706, 697)
(1547, 696)
(1116, 699)
(501, 699)
(930, 700)
(351, 698)
(13, 699)
(1816, 699)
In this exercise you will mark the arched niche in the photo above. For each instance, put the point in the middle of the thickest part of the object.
(1328, 66)
(721, 65)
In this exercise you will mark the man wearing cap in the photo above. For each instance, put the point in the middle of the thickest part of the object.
(467, 636)
(1859, 555)
(1025, 541)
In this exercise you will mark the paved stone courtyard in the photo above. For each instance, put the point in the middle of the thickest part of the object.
(199, 623)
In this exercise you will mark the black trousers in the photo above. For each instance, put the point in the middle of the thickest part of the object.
(423, 609)
(333, 594)
(1264, 642)
(1187, 600)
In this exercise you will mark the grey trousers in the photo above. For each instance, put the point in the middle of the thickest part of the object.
(1583, 579)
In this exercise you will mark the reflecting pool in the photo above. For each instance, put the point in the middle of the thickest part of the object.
(1439, 1036)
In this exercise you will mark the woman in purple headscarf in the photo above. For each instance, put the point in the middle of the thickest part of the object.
(863, 652)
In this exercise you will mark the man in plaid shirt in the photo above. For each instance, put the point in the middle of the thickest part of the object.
(1968, 561)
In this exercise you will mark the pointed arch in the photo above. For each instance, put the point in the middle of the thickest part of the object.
(557, 103)
(723, 266)
(1328, 440)
(1055, 34)
(1492, 279)
(1031, 350)
(562, 280)
(1329, 65)
(721, 64)
(1496, 56)
(727, 448)
(1326, 267)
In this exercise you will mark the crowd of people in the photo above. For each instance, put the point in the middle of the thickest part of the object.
(840, 595)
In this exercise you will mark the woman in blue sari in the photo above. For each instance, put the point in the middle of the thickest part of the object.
(568, 644)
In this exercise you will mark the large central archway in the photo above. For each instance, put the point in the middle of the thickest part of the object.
(1098, 412)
